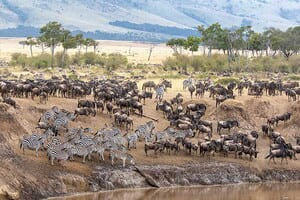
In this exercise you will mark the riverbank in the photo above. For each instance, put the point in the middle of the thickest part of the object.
(25, 176)
(105, 178)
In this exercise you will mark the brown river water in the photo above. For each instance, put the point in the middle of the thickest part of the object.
(272, 191)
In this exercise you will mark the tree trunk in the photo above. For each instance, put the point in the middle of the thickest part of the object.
(31, 50)
(209, 53)
(204, 49)
(52, 55)
(79, 50)
(43, 50)
(63, 58)
(95, 47)
(150, 53)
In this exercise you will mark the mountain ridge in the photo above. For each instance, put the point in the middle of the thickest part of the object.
(102, 15)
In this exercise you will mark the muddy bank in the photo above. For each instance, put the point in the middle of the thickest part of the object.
(209, 173)
(109, 178)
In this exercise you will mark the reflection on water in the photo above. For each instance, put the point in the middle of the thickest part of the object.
(280, 191)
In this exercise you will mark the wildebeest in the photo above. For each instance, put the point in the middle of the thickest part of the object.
(226, 125)
(10, 101)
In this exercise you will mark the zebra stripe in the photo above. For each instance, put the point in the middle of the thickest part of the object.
(160, 90)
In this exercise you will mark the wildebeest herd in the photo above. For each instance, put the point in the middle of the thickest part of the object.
(121, 99)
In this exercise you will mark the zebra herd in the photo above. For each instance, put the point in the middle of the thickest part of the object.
(64, 143)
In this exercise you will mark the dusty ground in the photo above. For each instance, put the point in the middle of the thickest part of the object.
(251, 112)
(137, 52)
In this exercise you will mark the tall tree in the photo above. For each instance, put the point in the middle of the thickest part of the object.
(176, 44)
(211, 35)
(87, 42)
(68, 42)
(52, 32)
(79, 42)
(192, 43)
(41, 41)
(95, 44)
(30, 41)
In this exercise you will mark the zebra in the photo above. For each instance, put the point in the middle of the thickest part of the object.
(58, 154)
(160, 90)
(49, 115)
(63, 121)
(187, 83)
(145, 129)
(122, 156)
(132, 140)
(34, 142)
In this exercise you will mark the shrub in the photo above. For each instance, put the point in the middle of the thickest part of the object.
(73, 77)
(40, 61)
(197, 63)
(19, 59)
(61, 61)
(115, 61)
(295, 64)
(226, 81)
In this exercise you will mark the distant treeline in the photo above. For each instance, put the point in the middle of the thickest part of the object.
(155, 28)
(24, 31)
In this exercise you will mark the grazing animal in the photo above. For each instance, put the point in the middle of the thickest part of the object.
(122, 156)
(10, 102)
(191, 90)
(160, 90)
(226, 125)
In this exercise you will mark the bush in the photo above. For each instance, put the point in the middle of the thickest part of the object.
(19, 59)
(197, 63)
(226, 81)
(41, 61)
(73, 77)
(115, 61)
(76, 59)
(60, 61)
(295, 64)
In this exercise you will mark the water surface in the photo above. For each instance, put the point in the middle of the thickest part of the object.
(280, 191)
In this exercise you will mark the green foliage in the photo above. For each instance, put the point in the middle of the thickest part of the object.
(62, 60)
(19, 59)
(40, 61)
(220, 63)
(227, 80)
(176, 44)
(114, 61)
(73, 77)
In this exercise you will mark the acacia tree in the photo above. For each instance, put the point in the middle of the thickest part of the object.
(211, 36)
(68, 42)
(79, 42)
(87, 42)
(30, 41)
(94, 44)
(41, 41)
(176, 44)
(192, 43)
(52, 33)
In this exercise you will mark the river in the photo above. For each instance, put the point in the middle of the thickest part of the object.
(280, 191)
